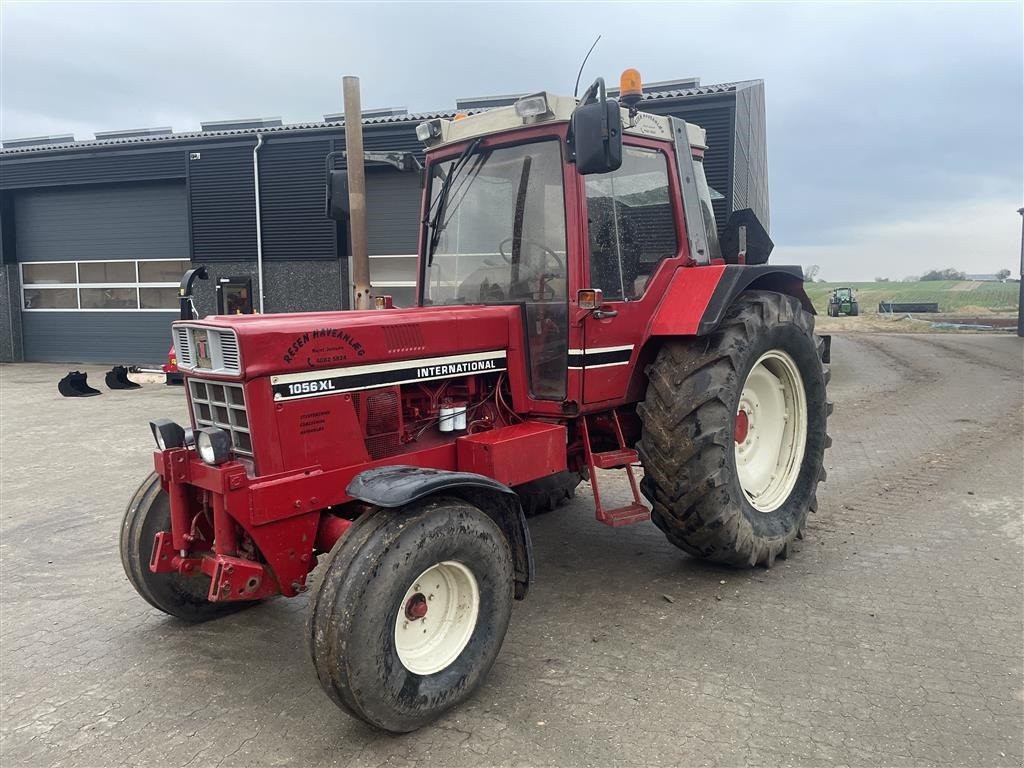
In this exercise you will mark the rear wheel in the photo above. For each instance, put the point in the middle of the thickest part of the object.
(411, 612)
(854, 309)
(184, 597)
(734, 433)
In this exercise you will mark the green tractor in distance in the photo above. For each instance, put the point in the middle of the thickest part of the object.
(842, 301)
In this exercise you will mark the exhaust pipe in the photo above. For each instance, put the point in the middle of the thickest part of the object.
(356, 192)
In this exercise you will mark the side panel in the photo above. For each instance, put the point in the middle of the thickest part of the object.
(698, 297)
(684, 303)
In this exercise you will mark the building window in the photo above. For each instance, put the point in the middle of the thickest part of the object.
(148, 285)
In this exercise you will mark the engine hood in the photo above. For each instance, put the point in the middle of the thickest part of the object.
(310, 341)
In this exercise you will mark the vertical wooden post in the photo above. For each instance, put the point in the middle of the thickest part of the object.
(356, 192)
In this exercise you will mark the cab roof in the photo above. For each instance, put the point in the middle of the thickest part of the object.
(559, 110)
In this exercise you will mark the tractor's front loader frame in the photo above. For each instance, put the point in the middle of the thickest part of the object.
(283, 515)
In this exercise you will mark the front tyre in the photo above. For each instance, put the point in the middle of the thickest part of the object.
(184, 597)
(411, 612)
(734, 433)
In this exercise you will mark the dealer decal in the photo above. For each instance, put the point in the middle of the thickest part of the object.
(304, 343)
(291, 386)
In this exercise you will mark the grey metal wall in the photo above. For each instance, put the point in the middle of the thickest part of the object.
(750, 154)
(393, 201)
(101, 166)
(222, 203)
(97, 337)
(101, 221)
(717, 118)
(106, 221)
(292, 182)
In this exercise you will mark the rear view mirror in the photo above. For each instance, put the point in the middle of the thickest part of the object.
(337, 195)
(597, 137)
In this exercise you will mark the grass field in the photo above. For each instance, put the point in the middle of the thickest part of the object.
(952, 296)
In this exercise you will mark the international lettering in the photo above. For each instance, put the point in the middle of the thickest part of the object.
(454, 369)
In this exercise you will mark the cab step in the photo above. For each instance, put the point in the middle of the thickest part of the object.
(622, 457)
(627, 515)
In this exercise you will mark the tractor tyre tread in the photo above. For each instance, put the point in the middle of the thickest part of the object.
(351, 618)
(148, 513)
(687, 442)
(547, 493)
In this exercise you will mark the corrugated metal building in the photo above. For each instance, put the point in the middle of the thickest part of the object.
(95, 235)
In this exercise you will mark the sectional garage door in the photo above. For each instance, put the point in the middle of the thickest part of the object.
(99, 269)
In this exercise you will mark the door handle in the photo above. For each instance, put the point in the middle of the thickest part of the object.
(601, 314)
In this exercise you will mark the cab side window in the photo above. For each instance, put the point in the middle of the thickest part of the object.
(631, 223)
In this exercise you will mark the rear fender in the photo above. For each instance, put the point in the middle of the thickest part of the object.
(698, 297)
(397, 486)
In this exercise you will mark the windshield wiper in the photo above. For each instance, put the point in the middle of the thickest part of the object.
(442, 198)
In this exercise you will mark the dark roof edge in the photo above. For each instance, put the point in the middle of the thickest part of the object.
(315, 127)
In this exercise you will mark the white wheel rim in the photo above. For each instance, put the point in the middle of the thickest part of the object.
(448, 596)
(770, 452)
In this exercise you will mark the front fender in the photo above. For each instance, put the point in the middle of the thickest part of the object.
(394, 487)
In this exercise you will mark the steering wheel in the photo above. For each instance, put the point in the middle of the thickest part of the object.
(527, 242)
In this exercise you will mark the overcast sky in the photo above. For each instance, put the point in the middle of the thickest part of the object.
(895, 132)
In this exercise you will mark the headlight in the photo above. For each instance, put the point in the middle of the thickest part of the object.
(213, 445)
(167, 434)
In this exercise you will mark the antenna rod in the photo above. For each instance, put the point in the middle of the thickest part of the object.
(579, 74)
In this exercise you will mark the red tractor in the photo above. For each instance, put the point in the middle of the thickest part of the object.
(577, 312)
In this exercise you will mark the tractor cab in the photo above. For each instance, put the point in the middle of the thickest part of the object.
(570, 210)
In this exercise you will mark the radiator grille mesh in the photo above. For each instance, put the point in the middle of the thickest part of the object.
(222, 405)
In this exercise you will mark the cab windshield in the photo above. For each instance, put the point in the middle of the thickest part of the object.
(496, 228)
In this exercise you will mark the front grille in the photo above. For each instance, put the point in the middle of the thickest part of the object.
(207, 350)
(182, 348)
(222, 405)
(229, 352)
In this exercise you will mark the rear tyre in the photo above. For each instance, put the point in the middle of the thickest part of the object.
(854, 309)
(734, 433)
(184, 597)
(547, 493)
(411, 612)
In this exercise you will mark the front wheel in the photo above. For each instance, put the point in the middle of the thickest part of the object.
(734, 433)
(411, 612)
(184, 597)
